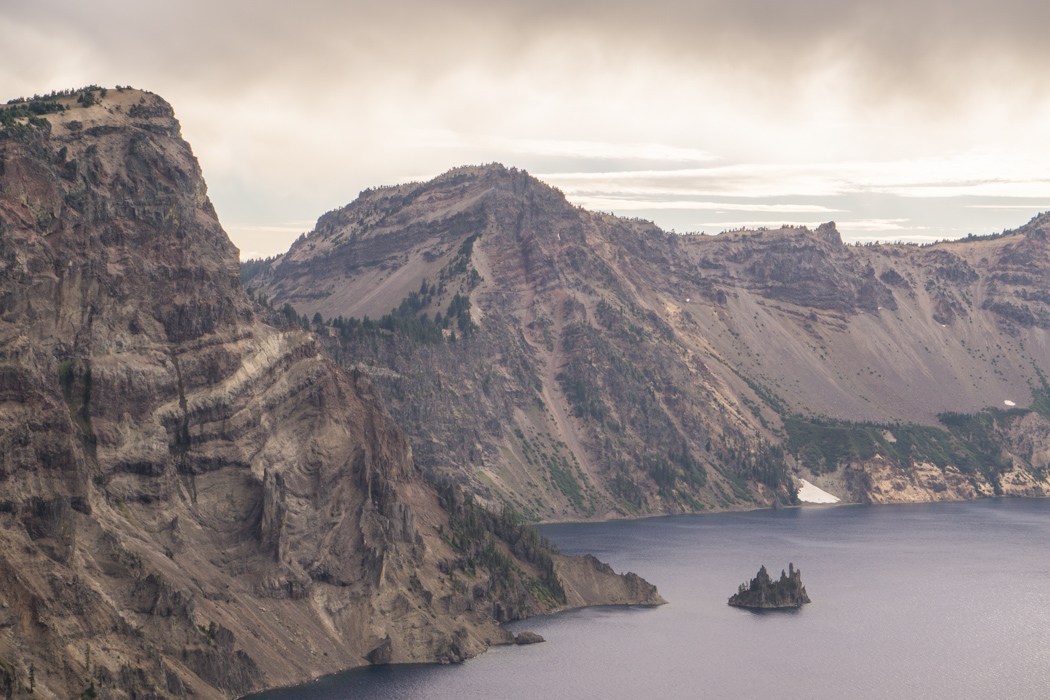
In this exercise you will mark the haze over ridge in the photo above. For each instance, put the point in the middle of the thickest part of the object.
(915, 121)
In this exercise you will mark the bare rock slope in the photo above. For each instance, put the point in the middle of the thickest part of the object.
(575, 364)
(192, 501)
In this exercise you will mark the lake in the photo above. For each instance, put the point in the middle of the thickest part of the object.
(946, 600)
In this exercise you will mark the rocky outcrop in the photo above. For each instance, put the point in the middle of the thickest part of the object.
(765, 593)
(600, 367)
(528, 638)
(192, 501)
(587, 578)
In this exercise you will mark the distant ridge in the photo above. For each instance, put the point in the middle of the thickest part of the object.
(604, 368)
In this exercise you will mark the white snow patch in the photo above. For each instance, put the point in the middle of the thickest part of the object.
(1008, 402)
(811, 494)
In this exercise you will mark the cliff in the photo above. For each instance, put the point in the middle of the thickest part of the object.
(579, 365)
(194, 501)
(765, 593)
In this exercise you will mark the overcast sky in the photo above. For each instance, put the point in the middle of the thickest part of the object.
(899, 119)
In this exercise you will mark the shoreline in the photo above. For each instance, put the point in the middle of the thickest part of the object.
(838, 504)
(568, 609)
(366, 665)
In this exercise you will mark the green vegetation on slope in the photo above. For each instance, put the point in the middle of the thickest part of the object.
(635, 430)
(410, 320)
(972, 443)
(968, 442)
(250, 269)
(486, 540)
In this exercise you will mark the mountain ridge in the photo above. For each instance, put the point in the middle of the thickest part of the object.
(192, 500)
(643, 361)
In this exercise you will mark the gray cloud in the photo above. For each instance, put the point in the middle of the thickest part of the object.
(891, 46)
(294, 107)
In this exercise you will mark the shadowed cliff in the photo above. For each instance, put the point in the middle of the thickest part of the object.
(194, 501)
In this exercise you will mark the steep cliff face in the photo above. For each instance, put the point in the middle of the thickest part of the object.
(601, 366)
(193, 502)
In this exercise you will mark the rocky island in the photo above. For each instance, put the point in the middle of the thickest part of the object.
(763, 592)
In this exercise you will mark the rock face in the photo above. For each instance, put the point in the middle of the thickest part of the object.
(193, 501)
(763, 592)
(528, 638)
(604, 368)
(591, 579)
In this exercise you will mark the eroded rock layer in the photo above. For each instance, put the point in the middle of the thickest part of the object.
(577, 365)
(192, 501)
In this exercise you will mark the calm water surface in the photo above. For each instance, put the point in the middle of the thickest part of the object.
(917, 601)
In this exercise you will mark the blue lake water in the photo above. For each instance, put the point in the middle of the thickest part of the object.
(918, 601)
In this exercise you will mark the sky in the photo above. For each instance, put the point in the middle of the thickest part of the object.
(910, 120)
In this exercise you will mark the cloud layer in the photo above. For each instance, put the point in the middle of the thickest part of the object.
(669, 107)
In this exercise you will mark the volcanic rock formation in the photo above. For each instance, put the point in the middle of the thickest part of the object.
(765, 593)
(193, 501)
(578, 365)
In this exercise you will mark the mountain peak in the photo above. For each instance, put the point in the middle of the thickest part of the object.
(654, 369)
